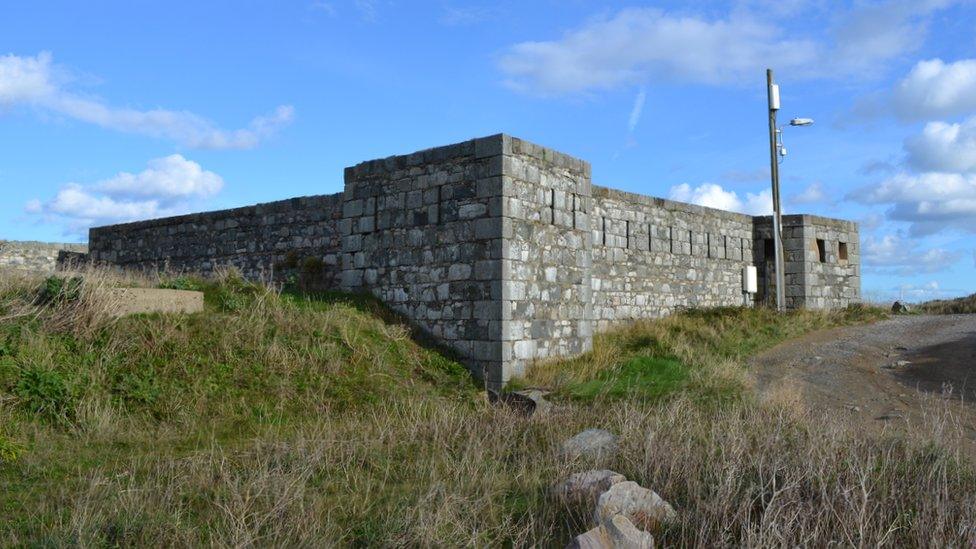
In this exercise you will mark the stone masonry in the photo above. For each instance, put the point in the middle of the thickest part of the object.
(501, 249)
(34, 256)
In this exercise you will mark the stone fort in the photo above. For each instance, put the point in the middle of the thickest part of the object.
(502, 250)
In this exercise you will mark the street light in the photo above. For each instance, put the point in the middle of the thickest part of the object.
(776, 150)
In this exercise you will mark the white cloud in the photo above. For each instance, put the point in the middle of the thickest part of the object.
(934, 88)
(36, 82)
(714, 196)
(168, 186)
(930, 201)
(636, 110)
(944, 147)
(813, 194)
(640, 45)
(897, 255)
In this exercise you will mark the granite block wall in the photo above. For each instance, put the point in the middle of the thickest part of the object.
(546, 255)
(502, 250)
(275, 239)
(653, 256)
(34, 256)
(423, 233)
(822, 257)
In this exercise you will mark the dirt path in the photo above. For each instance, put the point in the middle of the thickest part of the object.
(888, 373)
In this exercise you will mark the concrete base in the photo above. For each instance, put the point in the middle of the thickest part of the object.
(128, 301)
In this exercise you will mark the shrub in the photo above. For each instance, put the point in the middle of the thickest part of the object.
(58, 289)
(45, 392)
(183, 283)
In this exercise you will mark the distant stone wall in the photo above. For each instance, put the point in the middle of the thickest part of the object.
(653, 256)
(822, 262)
(34, 256)
(288, 237)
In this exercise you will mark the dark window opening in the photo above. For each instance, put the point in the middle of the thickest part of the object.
(822, 250)
(650, 238)
(604, 231)
(769, 249)
(691, 243)
(671, 239)
(552, 206)
(708, 245)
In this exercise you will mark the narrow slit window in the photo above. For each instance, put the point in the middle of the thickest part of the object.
(627, 229)
(671, 239)
(822, 250)
(842, 251)
(552, 206)
(725, 246)
(708, 245)
(650, 238)
(691, 242)
(573, 207)
(437, 220)
(604, 231)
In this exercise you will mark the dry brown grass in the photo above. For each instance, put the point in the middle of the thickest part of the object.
(358, 437)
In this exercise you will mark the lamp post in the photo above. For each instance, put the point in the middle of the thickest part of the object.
(776, 149)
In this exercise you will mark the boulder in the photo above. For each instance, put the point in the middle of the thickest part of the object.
(623, 534)
(587, 486)
(591, 444)
(899, 307)
(643, 507)
(616, 533)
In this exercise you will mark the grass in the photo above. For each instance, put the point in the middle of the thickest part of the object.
(696, 353)
(959, 305)
(277, 419)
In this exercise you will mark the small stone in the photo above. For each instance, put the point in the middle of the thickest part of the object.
(642, 506)
(591, 444)
(587, 486)
(616, 533)
(530, 402)
(622, 533)
(903, 363)
(591, 539)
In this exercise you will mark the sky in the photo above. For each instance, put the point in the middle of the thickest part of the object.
(116, 111)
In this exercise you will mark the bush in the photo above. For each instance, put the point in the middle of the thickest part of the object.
(183, 283)
(57, 289)
(45, 393)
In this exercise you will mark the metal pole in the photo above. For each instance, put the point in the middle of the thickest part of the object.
(774, 175)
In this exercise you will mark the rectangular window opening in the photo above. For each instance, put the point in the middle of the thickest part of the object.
(671, 239)
(627, 229)
(822, 250)
(769, 249)
(604, 231)
(691, 242)
(708, 245)
(650, 238)
(552, 206)
(842, 251)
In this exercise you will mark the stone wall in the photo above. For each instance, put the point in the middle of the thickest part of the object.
(284, 238)
(653, 256)
(34, 256)
(816, 274)
(423, 233)
(501, 249)
(546, 268)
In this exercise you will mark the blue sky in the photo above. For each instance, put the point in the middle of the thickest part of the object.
(113, 111)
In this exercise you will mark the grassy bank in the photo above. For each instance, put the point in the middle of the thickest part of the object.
(959, 305)
(274, 419)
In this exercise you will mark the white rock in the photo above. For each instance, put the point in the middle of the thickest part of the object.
(616, 533)
(643, 507)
